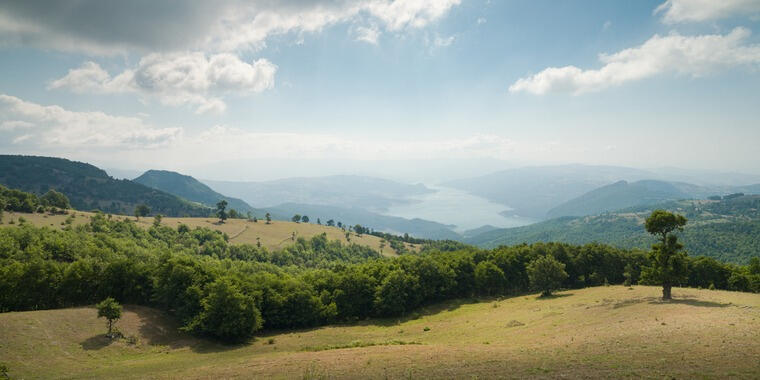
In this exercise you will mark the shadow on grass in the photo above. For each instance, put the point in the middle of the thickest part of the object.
(553, 296)
(158, 329)
(688, 301)
(96, 342)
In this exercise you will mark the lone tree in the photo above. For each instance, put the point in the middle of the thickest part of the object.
(296, 218)
(110, 310)
(269, 218)
(305, 219)
(668, 262)
(141, 210)
(546, 274)
(221, 210)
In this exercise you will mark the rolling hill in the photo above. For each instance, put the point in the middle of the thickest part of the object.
(601, 332)
(189, 188)
(622, 194)
(275, 236)
(728, 230)
(89, 187)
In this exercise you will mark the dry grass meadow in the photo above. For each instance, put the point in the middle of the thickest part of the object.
(603, 332)
(274, 236)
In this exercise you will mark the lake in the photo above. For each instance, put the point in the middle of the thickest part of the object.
(453, 206)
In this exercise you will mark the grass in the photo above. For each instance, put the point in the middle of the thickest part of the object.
(603, 332)
(273, 236)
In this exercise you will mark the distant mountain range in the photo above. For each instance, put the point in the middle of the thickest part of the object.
(533, 191)
(88, 187)
(573, 190)
(350, 216)
(727, 229)
(369, 193)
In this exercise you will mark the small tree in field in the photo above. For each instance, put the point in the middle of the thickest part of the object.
(141, 210)
(296, 218)
(546, 274)
(269, 218)
(305, 219)
(110, 310)
(221, 210)
(668, 263)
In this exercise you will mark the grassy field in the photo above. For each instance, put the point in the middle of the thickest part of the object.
(274, 236)
(604, 332)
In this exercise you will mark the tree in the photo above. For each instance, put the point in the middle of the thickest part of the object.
(319, 221)
(227, 313)
(55, 199)
(331, 223)
(668, 264)
(296, 218)
(141, 210)
(221, 212)
(546, 274)
(269, 218)
(305, 219)
(110, 310)
(157, 220)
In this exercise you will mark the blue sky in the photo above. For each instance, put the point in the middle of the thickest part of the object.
(350, 85)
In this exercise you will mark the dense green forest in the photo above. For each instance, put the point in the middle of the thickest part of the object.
(89, 188)
(727, 229)
(230, 291)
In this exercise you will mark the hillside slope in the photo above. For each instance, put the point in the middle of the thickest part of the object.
(728, 230)
(189, 188)
(603, 332)
(622, 194)
(88, 187)
(274, 236)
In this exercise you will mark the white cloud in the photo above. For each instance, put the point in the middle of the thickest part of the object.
(10, 125)
(177, 79)
(443, 41)
(369, 35)
(103, 28)
(54, 127)
(481, 20)
(686, 55)
(678, 11)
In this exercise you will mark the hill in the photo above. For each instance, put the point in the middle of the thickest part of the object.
(351, 216)
(602, 332)
(533, 191)
(728, 229)
(622, 194)
(88, 187)
(373, 194)
(275, 236)
(189, 188)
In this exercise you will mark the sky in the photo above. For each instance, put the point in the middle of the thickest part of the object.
(414, 89)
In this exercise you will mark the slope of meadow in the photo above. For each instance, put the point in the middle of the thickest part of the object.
(603, 332)
(274, 236)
